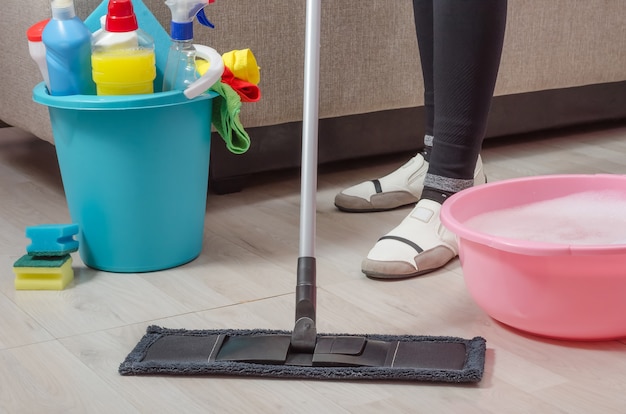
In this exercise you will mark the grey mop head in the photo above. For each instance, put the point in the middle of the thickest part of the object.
(192, 352)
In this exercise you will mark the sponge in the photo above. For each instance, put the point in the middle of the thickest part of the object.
(52, 239)
(43, 272)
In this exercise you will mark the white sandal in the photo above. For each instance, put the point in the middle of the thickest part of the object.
(400, 188)
(420, 244)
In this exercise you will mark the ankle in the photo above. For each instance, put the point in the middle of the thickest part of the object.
(425, 152)
(435, 194)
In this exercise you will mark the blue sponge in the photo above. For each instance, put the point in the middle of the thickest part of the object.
(52, 239)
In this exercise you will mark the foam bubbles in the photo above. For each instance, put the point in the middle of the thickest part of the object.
(586, 218)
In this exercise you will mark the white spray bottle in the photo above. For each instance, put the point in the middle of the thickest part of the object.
(180, 70)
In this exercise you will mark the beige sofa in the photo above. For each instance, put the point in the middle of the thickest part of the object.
(564, 63)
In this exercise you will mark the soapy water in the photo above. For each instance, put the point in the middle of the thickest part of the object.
(586, 218)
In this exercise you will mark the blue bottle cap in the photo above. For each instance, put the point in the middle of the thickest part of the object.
(181, 31)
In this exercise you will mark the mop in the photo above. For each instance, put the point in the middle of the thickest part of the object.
(304, 353)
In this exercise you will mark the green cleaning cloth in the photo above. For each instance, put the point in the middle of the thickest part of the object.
(226, 109)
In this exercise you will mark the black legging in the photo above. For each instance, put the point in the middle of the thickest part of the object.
(460, 43)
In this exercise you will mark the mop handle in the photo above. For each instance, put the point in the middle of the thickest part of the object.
(310, 116)
(304, 333)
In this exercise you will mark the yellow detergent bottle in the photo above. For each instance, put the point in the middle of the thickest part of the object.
(122, 58)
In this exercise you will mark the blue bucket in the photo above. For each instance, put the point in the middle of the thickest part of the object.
(135, 171)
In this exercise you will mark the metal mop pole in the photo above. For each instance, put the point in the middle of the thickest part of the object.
(304, 333)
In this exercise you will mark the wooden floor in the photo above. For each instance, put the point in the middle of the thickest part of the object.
(60, 350)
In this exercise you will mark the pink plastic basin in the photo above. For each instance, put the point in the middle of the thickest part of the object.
(564, 291)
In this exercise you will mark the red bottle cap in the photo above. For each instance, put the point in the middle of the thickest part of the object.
(34, 32)
(121, 17)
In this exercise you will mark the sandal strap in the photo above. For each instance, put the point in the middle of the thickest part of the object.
(377, 187)
(415, 246)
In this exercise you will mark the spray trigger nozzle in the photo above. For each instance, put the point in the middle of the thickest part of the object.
(204, 20)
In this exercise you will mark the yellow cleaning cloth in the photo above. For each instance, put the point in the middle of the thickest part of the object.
(227, 106)
(243, 65)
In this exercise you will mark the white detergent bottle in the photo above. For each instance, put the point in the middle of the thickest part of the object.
(37, 50)
(68, 51)
(123, 59)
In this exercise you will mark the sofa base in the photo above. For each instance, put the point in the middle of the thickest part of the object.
(278, 147)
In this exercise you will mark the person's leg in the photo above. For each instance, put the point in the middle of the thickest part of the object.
(423, 15)
(468, 37)
(468, 43)
(404, 186)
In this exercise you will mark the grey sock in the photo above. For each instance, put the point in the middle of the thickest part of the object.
(450, 185)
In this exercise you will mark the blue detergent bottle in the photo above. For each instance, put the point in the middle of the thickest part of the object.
(68, 52)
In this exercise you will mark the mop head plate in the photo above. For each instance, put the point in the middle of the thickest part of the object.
(267, 353)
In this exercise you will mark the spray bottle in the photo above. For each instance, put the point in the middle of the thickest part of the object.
(180, 70)
(68, 51)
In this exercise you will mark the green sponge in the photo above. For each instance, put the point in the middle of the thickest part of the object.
(29, 260)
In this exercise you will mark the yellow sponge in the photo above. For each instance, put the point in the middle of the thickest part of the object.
(44, 278)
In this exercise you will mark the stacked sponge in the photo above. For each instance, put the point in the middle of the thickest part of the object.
(47, 264)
